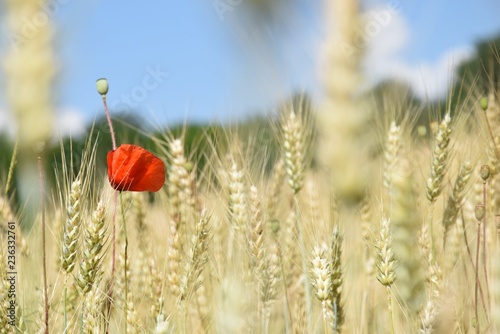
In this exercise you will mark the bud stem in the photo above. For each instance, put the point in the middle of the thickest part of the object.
(108, 117)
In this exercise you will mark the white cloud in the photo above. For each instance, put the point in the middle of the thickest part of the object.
(70, 122)
(433, 80)
(386, 33)
(384, 59)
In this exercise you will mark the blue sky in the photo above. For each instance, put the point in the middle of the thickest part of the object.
(204, 70)
(438, 26)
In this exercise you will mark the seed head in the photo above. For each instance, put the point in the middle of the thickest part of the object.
(479, 211)
(102, 86)
(484, 172)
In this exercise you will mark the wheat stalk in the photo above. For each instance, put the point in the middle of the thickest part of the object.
(293, 150)
(405, 220)
(71, 232)
(29, 88)
(386, 262)
(237, 198)
(439, 160)
(343, 123)
(278, 177)
(456, 198)
(337, 281)
(322, 279)
(391, 153)
(197, 258)
(174, 258)
(180, 182)
(92, 255)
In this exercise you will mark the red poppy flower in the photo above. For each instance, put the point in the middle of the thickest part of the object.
(132, 168)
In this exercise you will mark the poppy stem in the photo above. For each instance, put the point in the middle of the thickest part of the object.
(113, 237)
(110, 123)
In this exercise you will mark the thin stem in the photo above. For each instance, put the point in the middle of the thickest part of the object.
(495, 150)
(304, 264)
(126, 247)
(366, 312)
(325, 315)
(260, 312)
(65, 303)
(477, 277)
(266, 316)
(389, 304)
(13, 161)
(113, 138)
(81, 317)
(286, 305)
(431, 228)
(184, 316)
(335, 318)
(469, 253)
(113, 237)
(287, 317)
(44, 259)
(485, 270)
(230, 244)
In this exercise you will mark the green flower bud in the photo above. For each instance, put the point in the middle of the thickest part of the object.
(484, 103)
(188, 165)
(275, 226)
(102, 86)
(422, 131)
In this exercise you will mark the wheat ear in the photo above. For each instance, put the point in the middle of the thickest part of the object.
(456, 198)
(337, 281)
(439, 160)
(92, 256)
(293, 144)
(391, 153)
(263, 258)
(197, 258)
(386, 263)
(405, 220)
(71, 232)
(179, 186)
(322, 280)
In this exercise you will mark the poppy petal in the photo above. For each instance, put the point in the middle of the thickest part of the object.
(133, 168)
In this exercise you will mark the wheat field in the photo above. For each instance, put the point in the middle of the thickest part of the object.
(371, 215)
(238, 248)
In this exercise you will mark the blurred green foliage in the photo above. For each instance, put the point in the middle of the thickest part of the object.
(6, 150)
(482, 71)
(476, 77)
